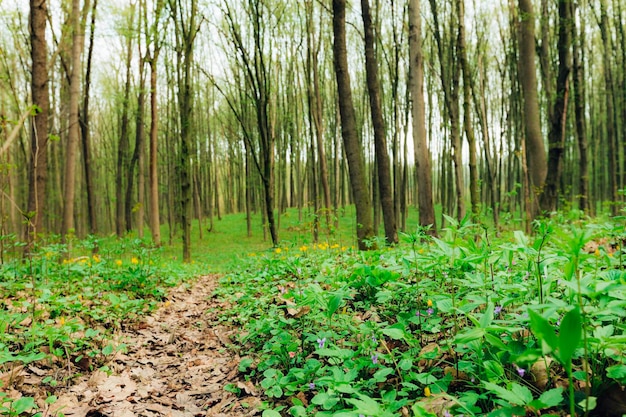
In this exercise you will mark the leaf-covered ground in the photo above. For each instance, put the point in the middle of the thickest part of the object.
(175, 364)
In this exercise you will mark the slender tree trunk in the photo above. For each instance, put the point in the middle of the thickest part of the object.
(354, 153)
(124, 141)
(556, 137)
(535, 150)
(69, 188)
(155, 223)
(610, 108)
(467, 113)
(38, 166)
(85, 133)
(383, 164)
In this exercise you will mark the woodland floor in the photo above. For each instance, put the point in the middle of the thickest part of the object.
(176, 364)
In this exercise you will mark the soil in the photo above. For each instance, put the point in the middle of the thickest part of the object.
(176, 364)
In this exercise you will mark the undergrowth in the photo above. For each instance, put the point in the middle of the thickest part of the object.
(61, 307)
(466, 324)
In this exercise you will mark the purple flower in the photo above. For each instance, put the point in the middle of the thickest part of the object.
(320, 342)
(417, 313)
(375, 358)
(497, 310)
(374, 338)
(430, 311)
(446, 413)
(521, 372)
(311, 385)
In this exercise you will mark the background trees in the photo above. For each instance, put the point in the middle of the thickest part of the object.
(249, 117)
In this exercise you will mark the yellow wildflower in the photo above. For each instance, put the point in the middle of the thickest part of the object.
(303, 248)
(427, 392)
(334, 246)
(62, 321)
(134, 260)
(118, 262)
(429, 303)
(252, 254)
(96, 258)
(597, 252)
(278, 250)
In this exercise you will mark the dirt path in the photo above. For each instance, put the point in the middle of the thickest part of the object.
(176, 364)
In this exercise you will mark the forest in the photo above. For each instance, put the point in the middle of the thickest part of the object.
(364, 208)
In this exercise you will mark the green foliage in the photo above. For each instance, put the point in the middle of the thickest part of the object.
(379, 333)
(62, 305)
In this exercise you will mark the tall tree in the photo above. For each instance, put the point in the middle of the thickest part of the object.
(155, 40)
(352, 144)
(449, 73)
(579, 110)
(186, 27)
(467, 114)
(558, 115)
(378, 123)
(535, 149)
(38, 166)
(85, 128)
(69, 185)
(423, 170)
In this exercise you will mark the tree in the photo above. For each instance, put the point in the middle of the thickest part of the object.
(85, 131)
(153, 49)
(558, 115)
(535, 150)
(38, 166)
(380, 143)
(352, 145)
(423, 170)
(185, 28)
(69, 187)
(467, 114)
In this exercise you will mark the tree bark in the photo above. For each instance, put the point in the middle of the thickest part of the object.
(535, 149)
(467, 113)
(85, 132)
(352, 145)
(69, 186)
(378, 123)
(38, 166)
(422, 156)
(556, 136)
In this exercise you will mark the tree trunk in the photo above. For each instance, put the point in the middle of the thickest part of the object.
(85, 134)
(556, 136)
(535, 149)
(69, 186)
(467, 113)
(38, 166)
(155, 223)
(354, 153)
(380, 142)
(124, 141)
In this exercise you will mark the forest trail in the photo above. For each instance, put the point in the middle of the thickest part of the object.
(176, 364)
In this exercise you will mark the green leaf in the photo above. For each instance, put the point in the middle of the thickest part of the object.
(470, 335)
(518, 395)
(244, 364)
(405, 364)
(297, 411)
(494, 370)
(333, 304)
(543, 331)
(381, 374)
(616, 372)
(570, 334)
(548, 399)
(419, 411)
(335, 353)
(365, 405)
(22, 405)
(487, 317)
(394, 333)
(271, 413)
